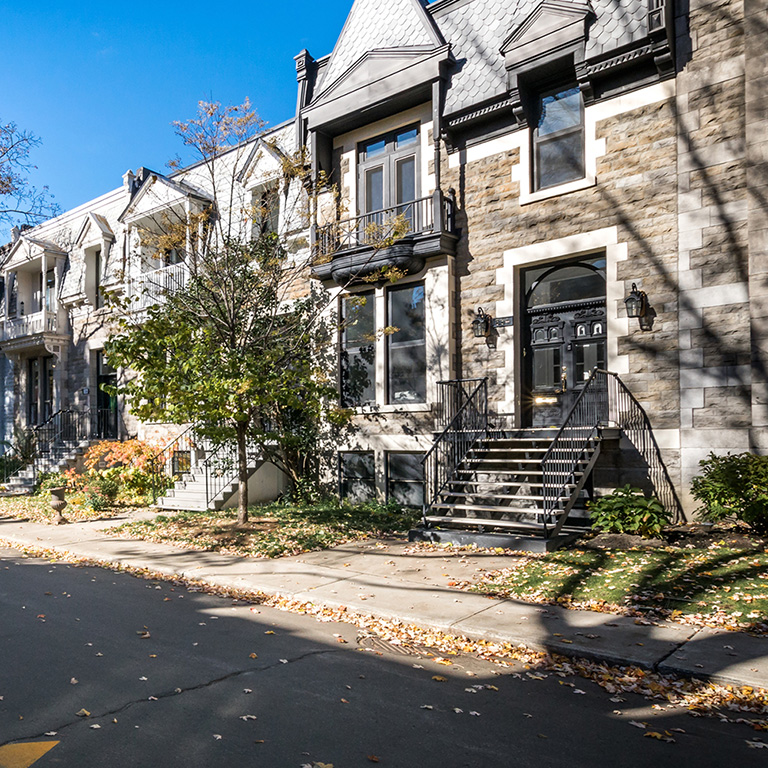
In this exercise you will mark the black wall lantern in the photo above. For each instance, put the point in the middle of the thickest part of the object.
(481, 325)
(637, 306)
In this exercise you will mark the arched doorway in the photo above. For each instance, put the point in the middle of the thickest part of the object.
(564, 336)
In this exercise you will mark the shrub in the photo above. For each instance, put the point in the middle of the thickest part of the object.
(628, 510)
(100, 491)
(48, 480)
(129, 463)
(733, 486)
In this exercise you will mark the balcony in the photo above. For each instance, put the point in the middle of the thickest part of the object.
(402, 236)
(150, 288)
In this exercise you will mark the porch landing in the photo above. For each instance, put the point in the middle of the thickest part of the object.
(510, 541)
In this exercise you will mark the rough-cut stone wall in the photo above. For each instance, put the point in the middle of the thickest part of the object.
(635, 192)
(714, 249)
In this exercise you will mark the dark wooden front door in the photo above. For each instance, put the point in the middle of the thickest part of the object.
(564, 337)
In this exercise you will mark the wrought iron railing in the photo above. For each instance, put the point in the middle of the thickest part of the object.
(604, 401)
(377, 227)
(16, 458)
(467, 426)
(56, 437)
(210, 461)
(175, 459)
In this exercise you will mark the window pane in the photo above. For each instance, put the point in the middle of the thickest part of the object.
(405, 478)
(407, 138)
(406, 312)
(358, 352)
(560, 160)
(375, 148)
(357, 314)
(546, 367)
(588, 356)
(574, 283)
(406, 180)
(358, 376)
(358, 479)
(559, 111)
(374, 189)
(407, 374)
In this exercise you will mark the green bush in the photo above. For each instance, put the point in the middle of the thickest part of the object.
(628, 510)
(733, 486)
(48, 480)
(101, 491)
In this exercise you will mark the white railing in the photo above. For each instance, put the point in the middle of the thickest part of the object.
(151, 288)
(29, 325)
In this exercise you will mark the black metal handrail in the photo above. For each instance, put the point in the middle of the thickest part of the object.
(426, 214)
(172, 461)
(15, 459)
(604, 400)
(468, 425)
(221, 469)
(58, 435)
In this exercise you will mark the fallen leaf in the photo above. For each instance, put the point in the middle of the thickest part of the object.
(638, 725)
(659, 736)
(757, 745)
(269, 632)
(74, 681)
(95, 725)
(83, 713)
(217, 736)
(427, 706)
(252, 656)
(458, 711)
(476, 714)
(247, 717)
(373, 758)
(247, 690)
(439, 679)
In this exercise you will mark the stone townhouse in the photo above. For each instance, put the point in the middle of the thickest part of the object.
(560, 165)
(510, 195)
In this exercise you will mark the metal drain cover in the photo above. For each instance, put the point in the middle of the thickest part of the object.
(374, 643)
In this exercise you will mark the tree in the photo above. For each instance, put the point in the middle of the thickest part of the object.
(241, 347)
(19, 200)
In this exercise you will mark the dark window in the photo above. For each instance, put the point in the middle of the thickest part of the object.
(588, 356)
(546, 367)
(98, 298)
(564, 284)
(266, 215)
(12, 291)
(358, 350)
(407, 358)
(357, 476)
(558, 140)
(405, 478)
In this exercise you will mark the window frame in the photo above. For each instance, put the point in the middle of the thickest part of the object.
(389, 160)
(346, 348)
(342, 477)
(538, 141)
(410, 344)
(390, 482)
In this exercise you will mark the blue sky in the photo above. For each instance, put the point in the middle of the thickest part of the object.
(100, 83)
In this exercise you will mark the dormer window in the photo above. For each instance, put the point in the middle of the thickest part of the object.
(558, 139)
(266, 210)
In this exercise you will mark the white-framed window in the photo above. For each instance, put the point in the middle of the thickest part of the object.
(266, 210)
(397, 357)
(558, 138)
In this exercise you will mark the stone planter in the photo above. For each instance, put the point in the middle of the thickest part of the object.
(58, 503)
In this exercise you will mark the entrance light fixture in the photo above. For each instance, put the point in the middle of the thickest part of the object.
(481, 325)
(637, 306)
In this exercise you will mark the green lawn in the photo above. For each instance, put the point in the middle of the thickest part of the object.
(722, 586)
(273, 530)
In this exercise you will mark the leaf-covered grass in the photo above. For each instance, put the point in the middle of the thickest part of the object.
(273, 530)
(37, 509)
(716, 585)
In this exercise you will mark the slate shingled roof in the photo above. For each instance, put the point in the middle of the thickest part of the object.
(372, 25)
(476, 30)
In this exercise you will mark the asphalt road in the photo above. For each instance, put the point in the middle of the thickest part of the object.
(173, 678)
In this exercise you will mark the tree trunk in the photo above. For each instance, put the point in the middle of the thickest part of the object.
(242, 474)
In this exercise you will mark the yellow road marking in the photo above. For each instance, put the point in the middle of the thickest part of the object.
(24, 755)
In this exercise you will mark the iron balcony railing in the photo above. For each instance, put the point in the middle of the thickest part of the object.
(467, 407)
(30, 325)
(604, 401)
(150, 288)
(427, 214)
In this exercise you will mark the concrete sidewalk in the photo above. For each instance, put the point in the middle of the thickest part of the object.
(380, 579)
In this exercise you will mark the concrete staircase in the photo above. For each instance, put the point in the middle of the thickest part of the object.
(191, 491)
(59, 457)
(499, 487)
